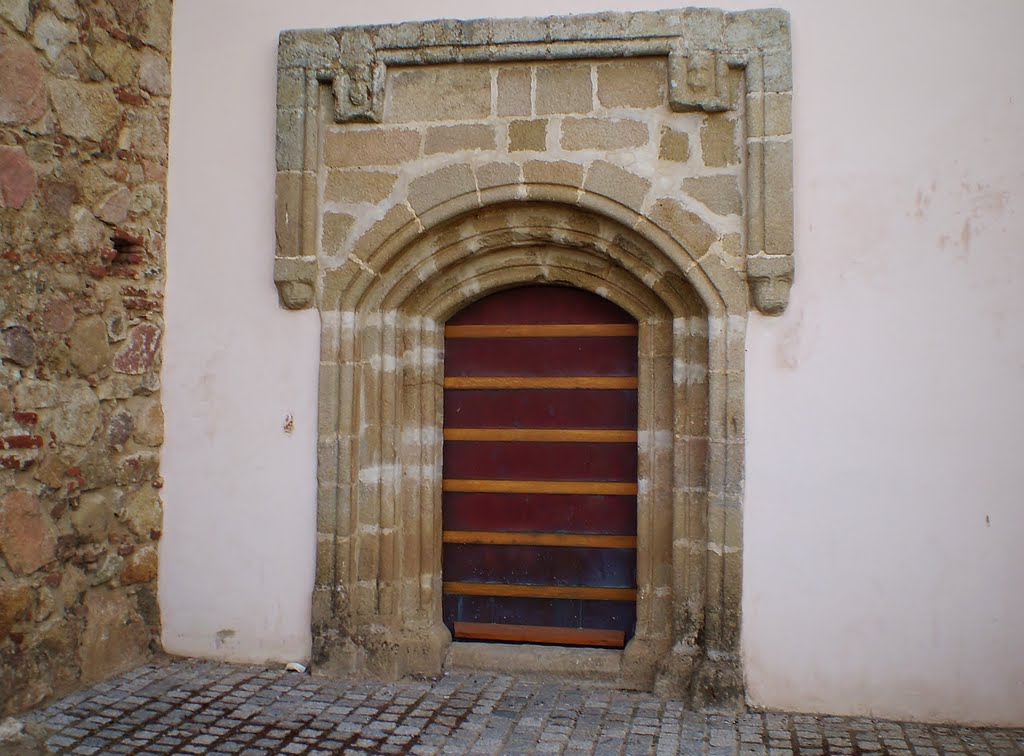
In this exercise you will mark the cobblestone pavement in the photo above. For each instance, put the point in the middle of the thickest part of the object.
(189, 706)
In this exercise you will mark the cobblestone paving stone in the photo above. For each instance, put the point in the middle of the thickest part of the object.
(203, 707)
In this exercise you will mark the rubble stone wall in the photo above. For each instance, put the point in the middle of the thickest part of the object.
(84, 101)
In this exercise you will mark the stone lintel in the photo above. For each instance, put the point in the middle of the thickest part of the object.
(699, 41)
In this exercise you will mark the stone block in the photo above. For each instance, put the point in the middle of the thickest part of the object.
(22, 89)
(564, 88)
(527, 135)
(778, 198)
(443, 184)
(143, 512)
(603, 133)
(469, 136)
(90, 350)
(720, 194)
(632, 83)
(515, 85)
(140, 566)
(334, 236)
(718, 140)
(770, 114)
(346, 148)
(687, 228)
(359, 186)
(491, 175)
(553, 172)
(438, 93)
(617, 183)
(27, 539)
(17, 177)
(84, 111)
(394, 220)
(674, 145)
(114, 639)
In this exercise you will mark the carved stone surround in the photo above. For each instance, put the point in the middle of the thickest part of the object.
(643, 156)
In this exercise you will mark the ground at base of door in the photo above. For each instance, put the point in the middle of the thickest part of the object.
(185, 706)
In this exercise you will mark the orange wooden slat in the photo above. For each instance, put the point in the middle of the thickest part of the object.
(506, 538)
(568, 435)
(539, 486)
(542, 330)
(540, 591)
(567, 636)
(540, 382)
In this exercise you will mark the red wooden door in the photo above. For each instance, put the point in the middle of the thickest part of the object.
(540, 465)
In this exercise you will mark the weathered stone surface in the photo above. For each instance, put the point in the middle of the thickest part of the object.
(527, 135)
(148, 422)
(22, 89)
(119, 428)
(718, 141)
(335, 232)
(620, 185)
(143, 513)
(80, 415)
(564, 88)
(469, 136)
(84, 111)
(16, 603)
(17, 177)
(17, 345)
(692, 232)
(603, 133)
(438, 93)
(58, 316)
(496, 174)
(553, 172)
(51, 35)
(115, 57)
(89, 348)
(155, 74)
(674, 145)
(113, 209)
(18, 12)
(94, 515)
(138, 355)
(83, 130)
(359, 186)
(345, 149)
(632, 83)
(140, 566)
(721, 194)
(115, 638)
(446, 183)
(27, 540)
(515, 86)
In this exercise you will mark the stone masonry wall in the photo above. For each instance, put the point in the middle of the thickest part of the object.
(84, 99)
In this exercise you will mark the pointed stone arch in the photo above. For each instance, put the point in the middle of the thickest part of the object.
(406, 212)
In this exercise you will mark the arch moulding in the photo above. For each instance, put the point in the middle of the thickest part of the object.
(645, 157)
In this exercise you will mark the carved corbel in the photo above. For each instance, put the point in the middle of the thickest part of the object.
(699, 80)
(295, 278)
(770, 278)
(357, 80)
(358, 93)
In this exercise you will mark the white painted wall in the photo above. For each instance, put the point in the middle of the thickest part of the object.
(883, 569)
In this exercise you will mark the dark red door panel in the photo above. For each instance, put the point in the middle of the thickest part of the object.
(540, 468)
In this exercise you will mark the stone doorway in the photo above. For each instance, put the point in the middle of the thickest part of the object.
(540, 469)
(645, 158)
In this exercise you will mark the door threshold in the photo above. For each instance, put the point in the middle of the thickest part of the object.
(600, 665)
